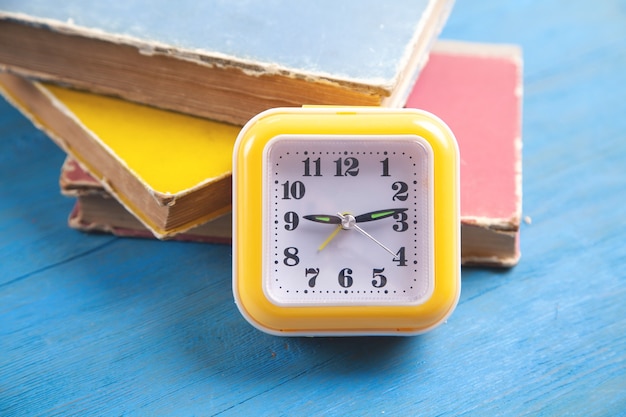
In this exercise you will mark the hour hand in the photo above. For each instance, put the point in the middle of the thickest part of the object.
(378, 214)
(324, 218)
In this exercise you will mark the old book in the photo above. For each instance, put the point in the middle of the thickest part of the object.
(96, 210)
(225, 60)
(477, 90)
(170, 170)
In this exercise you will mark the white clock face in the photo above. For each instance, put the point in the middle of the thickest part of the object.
(347, 220)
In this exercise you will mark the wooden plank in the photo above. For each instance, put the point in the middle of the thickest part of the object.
(32, 223)
(109, 326)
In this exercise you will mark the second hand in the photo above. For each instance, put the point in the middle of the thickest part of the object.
(349, 222)
(374, 239)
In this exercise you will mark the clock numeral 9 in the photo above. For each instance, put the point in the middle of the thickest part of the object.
(352, 167)
(293, 190)
(292, 220)
(291, 256)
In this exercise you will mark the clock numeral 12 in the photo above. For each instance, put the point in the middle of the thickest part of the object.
(352, 167)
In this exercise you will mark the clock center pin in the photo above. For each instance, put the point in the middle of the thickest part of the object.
(347, 221)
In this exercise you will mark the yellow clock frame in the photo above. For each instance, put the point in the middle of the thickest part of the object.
(248, 221)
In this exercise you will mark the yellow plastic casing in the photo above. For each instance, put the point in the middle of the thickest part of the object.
(248, 220)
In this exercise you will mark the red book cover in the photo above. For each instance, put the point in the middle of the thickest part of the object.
(477, 90)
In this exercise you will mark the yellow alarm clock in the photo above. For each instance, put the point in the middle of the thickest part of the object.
(346, 221)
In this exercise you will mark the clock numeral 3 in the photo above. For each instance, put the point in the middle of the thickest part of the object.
(313, 273)
(401, 223)
(291, 256)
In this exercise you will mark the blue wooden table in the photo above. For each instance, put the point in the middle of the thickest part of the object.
(98, 325)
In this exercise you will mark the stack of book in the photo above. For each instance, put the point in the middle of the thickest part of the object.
(147, 101)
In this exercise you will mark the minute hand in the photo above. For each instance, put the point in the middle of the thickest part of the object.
(378, 214)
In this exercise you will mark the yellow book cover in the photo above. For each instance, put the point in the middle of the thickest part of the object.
(172, 171)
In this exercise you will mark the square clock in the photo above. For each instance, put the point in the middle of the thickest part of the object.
(346, 221)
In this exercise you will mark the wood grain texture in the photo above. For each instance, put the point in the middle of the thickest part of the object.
(98, 325)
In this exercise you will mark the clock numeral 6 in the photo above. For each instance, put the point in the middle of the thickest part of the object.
(345, 278)
(291, 256)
